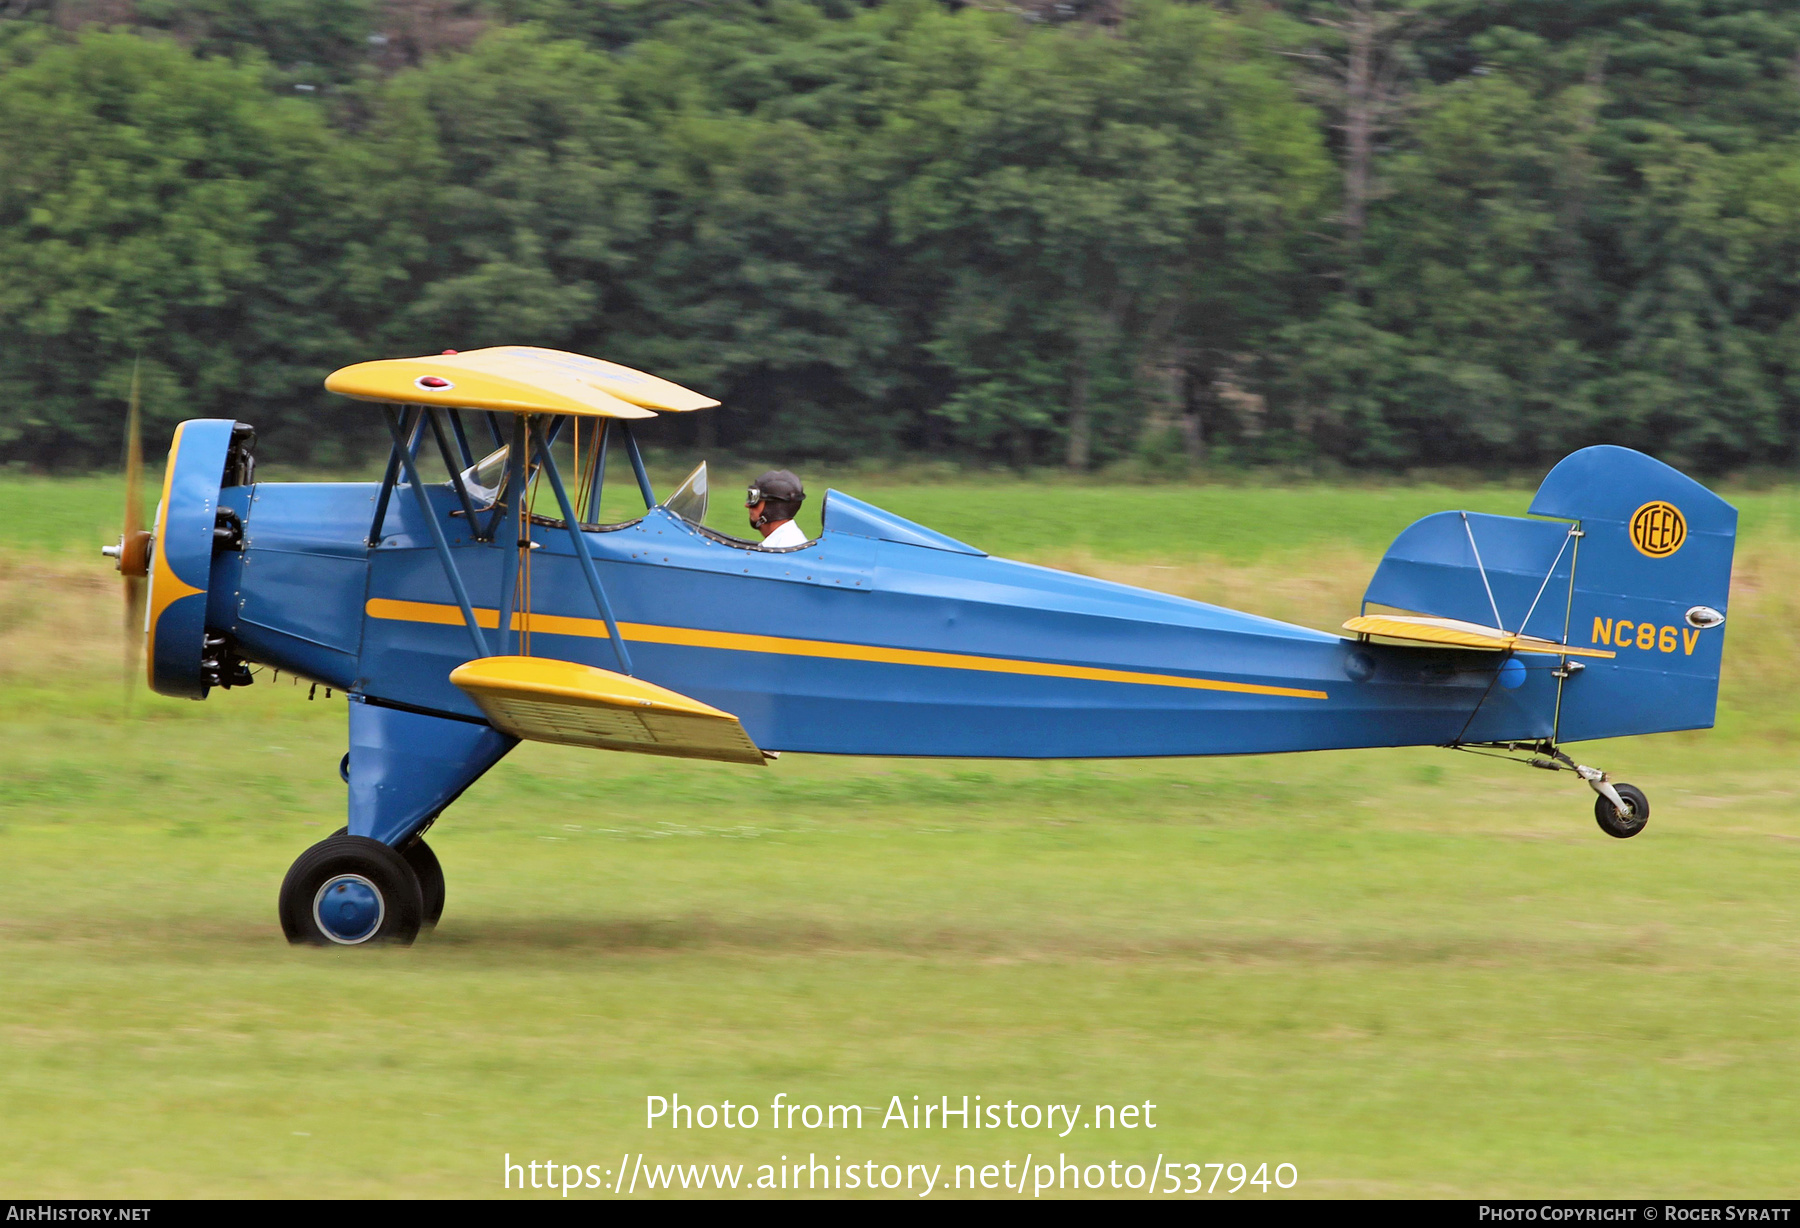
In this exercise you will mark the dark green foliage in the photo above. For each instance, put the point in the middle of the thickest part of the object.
(158, 204)
(1586, 234)
(1074, 235)
(313, 41)
(1095, 205)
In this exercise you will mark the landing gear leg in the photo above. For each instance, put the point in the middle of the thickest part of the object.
(377, 880)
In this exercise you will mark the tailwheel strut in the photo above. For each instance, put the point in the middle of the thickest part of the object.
(1620, 809)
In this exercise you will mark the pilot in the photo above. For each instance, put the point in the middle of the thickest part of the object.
(773, 501)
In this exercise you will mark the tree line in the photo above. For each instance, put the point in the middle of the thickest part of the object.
(1384, 233)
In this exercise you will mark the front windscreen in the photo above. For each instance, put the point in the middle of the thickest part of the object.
(689, 502)
(486, 476)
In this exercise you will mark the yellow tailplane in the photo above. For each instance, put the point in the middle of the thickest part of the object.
(1455, 633)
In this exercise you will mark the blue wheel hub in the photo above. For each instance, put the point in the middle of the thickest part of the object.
(349, 909)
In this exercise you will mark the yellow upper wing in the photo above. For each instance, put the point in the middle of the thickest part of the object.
(1454, 633)
(518, 379)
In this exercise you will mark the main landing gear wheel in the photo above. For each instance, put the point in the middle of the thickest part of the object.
(1626, 825)
(430, 874)
(424, 863)
(351, 891)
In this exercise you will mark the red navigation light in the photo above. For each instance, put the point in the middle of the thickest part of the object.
(433, 381)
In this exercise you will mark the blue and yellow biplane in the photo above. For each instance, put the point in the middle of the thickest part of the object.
(459, 621)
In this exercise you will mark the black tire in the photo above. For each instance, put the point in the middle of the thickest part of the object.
(430, 874)
(378, 884)
(1623, 826)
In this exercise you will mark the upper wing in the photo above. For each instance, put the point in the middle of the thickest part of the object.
(519, 379)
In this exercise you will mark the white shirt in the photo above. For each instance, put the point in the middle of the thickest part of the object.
(787, 534)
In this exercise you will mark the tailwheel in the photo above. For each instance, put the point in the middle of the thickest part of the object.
(351, 891)
(1623, 823)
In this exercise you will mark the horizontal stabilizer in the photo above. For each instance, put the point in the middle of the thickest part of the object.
(1454, 633)
(578, 705)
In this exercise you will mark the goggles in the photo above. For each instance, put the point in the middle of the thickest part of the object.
(756, 494)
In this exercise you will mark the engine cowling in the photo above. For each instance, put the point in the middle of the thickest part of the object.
(182, 658)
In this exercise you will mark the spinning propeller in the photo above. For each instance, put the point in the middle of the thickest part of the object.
(133, 550)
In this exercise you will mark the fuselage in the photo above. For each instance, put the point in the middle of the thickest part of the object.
(854, 644)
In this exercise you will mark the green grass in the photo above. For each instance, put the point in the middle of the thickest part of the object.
(1405, 972)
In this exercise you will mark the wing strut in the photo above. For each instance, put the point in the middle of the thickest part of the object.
(542, 439)
(438, 541)
(637, 466)
(409, 426)
(443, 443)
(598, 464)
(462, 440)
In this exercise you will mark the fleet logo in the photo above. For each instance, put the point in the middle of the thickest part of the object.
(1658, 529)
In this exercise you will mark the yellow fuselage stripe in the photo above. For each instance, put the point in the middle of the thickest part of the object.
(688, 637)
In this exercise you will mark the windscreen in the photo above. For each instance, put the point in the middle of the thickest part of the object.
(486, 476)
(689, 501)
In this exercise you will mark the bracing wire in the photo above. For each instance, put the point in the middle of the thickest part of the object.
(1482, 568)
(1567, 538)
(1486, 691)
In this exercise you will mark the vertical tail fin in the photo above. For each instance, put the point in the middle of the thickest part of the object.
(1652, 582)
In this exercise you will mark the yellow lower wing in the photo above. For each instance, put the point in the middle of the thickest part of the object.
(578, 705)
(1454, 633)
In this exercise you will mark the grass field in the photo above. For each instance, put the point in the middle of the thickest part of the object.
(1406, 972)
